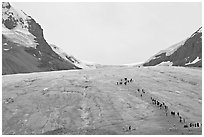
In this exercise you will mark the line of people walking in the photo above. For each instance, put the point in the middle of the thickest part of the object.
(160, 105)
(124, 81)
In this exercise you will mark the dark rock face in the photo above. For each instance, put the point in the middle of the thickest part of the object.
(188, 52)
(10, 23)
(18, 58)
(6, 5)
(49, 57)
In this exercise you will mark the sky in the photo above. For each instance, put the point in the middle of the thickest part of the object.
(114, 33)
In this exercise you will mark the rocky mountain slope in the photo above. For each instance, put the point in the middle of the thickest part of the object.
(72, 59)
(24, 48)
(187, 53)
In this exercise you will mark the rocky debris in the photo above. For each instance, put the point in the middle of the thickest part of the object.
(128, 128)
(8, 100)
(124, 81)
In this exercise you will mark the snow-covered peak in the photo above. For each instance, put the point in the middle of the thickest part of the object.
(13, 18)
(169, 51)
(23, 40)
(181, 54)
(15, 26)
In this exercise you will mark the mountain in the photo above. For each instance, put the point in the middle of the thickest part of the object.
(187, 53)
(24, 48)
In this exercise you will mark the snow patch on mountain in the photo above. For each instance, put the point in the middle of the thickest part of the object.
(133, 64)
(165, 63)
(6, 49)
(71, 58)
(5, 44)
(193, 62)
(59, 52)
(18, 36)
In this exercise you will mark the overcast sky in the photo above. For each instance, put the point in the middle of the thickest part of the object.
(114, 33)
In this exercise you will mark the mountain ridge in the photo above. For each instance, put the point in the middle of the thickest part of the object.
(187, 53)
